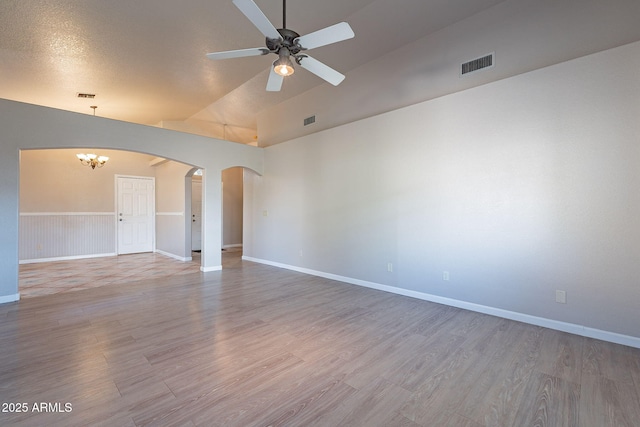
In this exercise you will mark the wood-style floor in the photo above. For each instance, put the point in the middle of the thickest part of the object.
(255, 345)
(55, 277)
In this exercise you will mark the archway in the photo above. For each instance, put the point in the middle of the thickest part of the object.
(32, 127)
(68, 212)
(193, 210)
(232, 208)
(232, 211)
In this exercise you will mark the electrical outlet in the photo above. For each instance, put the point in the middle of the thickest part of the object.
(445, 276)
(389, 266)
(561, 297)
(265, 213)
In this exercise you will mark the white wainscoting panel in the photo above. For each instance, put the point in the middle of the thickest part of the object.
(60, 235)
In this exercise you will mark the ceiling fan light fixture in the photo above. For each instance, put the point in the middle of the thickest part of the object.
(283, 69)
(283, 65)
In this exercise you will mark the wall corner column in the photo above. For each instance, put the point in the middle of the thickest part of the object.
(211, 221)
(9, 221)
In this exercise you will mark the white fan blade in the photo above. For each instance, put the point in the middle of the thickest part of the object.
(255, 15)
(274, 84)
(321, 70)
(256, 51)
(333, 34)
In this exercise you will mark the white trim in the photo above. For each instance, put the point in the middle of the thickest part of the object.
(493, 311)
(174, 256)
(169, 213)
(136, 177)
(158, 161)
(9, 298)
(64, 258)
(65, 213)
(209, 269)
(235, 245)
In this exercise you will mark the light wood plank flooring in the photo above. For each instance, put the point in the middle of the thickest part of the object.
(76, 275)
(255, 345)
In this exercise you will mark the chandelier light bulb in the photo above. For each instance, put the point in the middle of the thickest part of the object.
(92, 160)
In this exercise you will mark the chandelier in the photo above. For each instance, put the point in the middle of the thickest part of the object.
(92, 160)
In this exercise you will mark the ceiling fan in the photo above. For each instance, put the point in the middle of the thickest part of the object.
(288, 45)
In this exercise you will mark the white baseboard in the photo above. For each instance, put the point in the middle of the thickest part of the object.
(208, 269)
(174, 256)
(235, 245)
(9, 298)
(64, 258)
(506, 314)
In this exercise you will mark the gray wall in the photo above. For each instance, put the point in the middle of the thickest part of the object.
(517, 188)
(232, 207)
(524, 35)
(170, 210)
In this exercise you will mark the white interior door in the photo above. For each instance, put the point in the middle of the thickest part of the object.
(136, 210)
(196, 215)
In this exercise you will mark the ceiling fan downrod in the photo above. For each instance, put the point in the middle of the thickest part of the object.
(287, 37)
(284, 14)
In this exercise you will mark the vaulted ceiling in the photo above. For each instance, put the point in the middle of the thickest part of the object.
(145, 59)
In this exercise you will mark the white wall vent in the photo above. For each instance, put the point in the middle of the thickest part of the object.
(482, 63)
(309, 120)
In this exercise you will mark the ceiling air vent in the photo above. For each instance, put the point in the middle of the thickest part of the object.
(86, 95)
(477, 64)
(309, 120)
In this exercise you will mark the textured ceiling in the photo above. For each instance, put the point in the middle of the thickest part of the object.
(145, 59)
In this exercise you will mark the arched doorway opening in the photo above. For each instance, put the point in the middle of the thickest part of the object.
(52, 129)
(193, 211)
(70, 216)
(231, 209)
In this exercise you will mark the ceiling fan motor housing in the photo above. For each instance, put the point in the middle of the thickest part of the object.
(288, 41)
